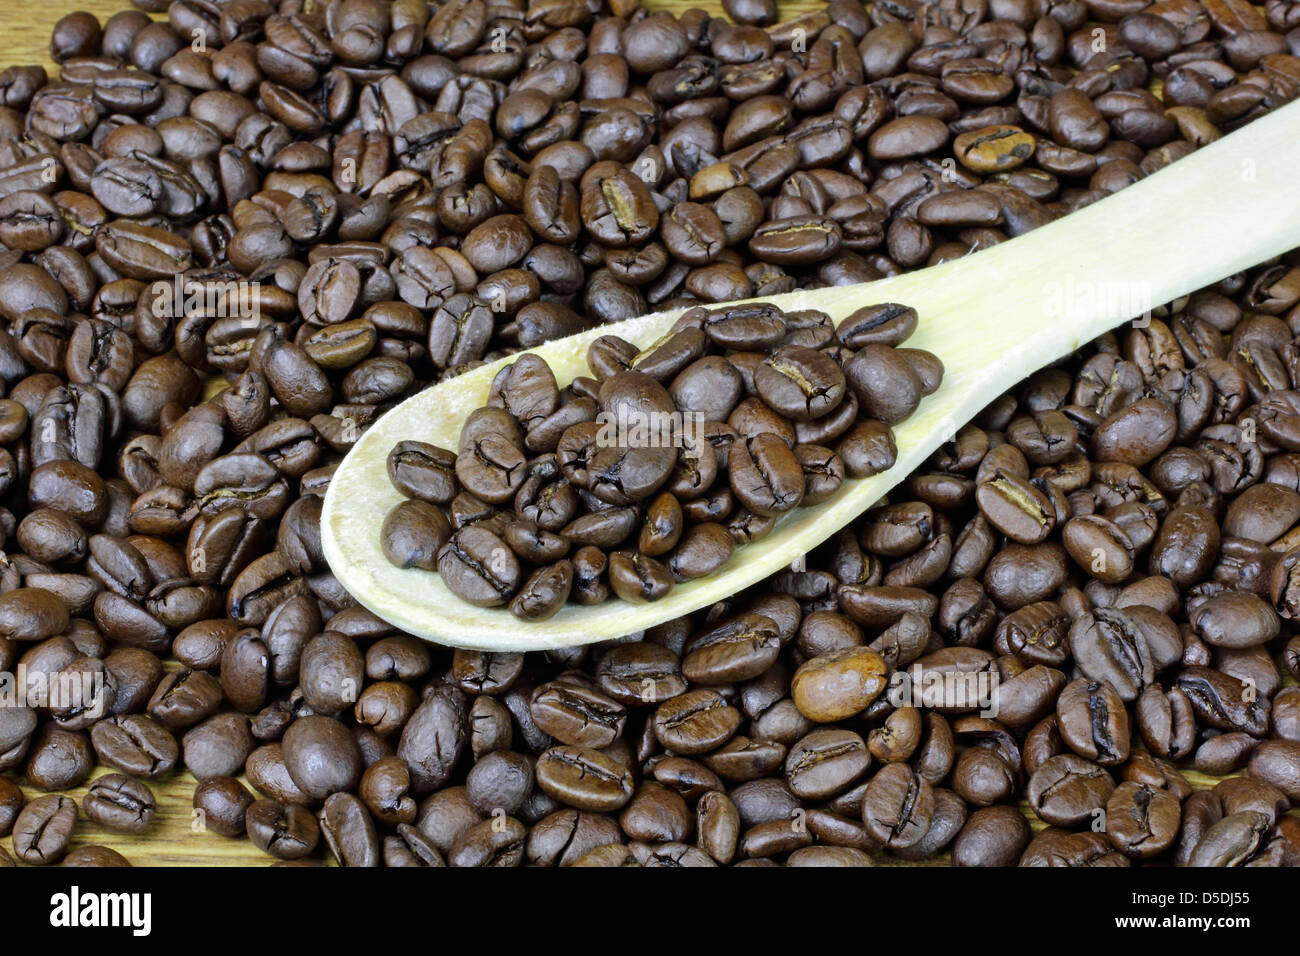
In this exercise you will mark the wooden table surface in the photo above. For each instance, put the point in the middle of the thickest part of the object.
(175, 839)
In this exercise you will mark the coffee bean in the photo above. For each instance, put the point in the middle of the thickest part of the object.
(577, 716)
(218, 746)
(1230, 841)
(349, 832)
(94, 856)
(1109, 646)
(898, 806)
(1093, 721)
(992, 836)
(43, 829)
(286, 832)
(222, 801)
(734, 651)
(433, 739)
(11, 804)
(118, 803)
(1221, 701)
(413, 534)
(887, 387)
(994, 149)
(695, 722)
(1066, 790)
(184, 698)
(135, 744)
(1236, 620)
(907, 136)
(584, 778)
(1277, 762)
(58, 759)
(826, 762)
(838, 684)
(31, 614)
(1142, 821)
(479, 567)
(1053, 847)
(331, 672)
(1018, 509)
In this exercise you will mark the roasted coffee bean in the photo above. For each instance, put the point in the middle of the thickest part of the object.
(57, 759)
(1016, 508)
(31, 614)
(1094, 722)
(43, 829)
(640, 673)
(491, 843)
(423, 471)
(1099, 545)
(11, 804)
(1054, 847)
(983, 776)
(432, 740)
(695, 722)
(1109, 646)
(135, 744)
(285, 831)
(737, 650)
(898, 806)
(184, 698)
(479, 567)
(1277, 762)
(349, 832)
(91, 855)
(118, 803)
(800, 383)
(577, 716)
(1166, 721)
(413, 534)
(222, 803)
(825, 763)
(765, 475)
(1222, 702)
(410, 848)
(1230, 841)
(838, 684)
(584, 778)
(906, 137)
(1236, 620)
(217, 747)
(991, 836)
(1142, 821)
(887, 387)
(1066, 791)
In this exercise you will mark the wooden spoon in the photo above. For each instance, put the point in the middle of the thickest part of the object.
(993, 317)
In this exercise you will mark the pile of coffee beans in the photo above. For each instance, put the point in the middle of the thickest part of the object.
(683, 450)
(234, 235)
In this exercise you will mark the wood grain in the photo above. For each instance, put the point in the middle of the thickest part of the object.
(176, 839)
